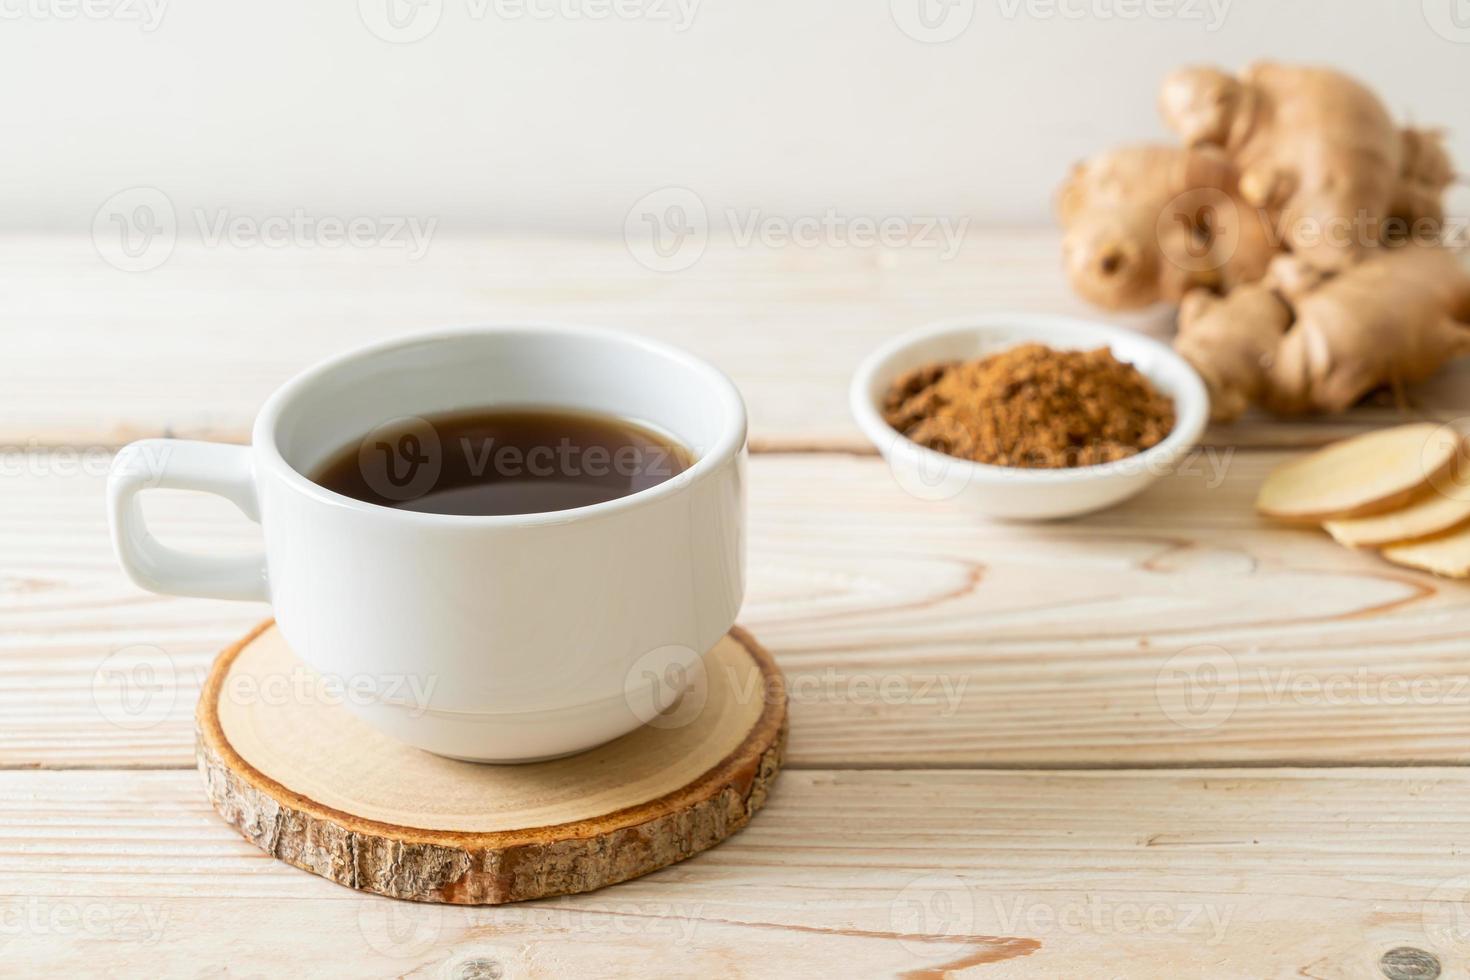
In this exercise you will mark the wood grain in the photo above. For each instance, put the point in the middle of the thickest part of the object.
(912, 633)
(1176, 631)
(1220, 875)
(100, 356)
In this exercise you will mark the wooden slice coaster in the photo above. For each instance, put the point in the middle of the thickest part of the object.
(311, 784)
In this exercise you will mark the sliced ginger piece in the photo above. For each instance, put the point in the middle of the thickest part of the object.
(1446, 554)
(1445, 505)
(1369, 474)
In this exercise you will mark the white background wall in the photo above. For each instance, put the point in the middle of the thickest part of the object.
(498, 119)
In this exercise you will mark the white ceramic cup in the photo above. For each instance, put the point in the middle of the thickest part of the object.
(491, 638)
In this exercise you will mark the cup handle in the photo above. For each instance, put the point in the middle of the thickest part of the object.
(182, 464)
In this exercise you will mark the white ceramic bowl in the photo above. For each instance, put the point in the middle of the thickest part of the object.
(1025, 494)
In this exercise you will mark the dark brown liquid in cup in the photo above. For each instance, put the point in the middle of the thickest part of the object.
(503, 461)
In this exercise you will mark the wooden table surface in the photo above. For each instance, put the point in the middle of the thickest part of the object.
(1164, 741)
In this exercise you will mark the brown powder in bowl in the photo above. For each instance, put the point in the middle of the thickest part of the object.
(1033, 407)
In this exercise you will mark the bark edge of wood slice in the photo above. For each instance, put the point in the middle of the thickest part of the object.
(502, 865)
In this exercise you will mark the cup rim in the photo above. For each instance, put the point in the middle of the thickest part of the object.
(1191, 399)
(731, 440)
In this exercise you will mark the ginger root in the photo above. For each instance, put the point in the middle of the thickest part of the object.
(1318, 147)
(1298, 228)
(1147, 223)
(1231, 341)
(1301, 342)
